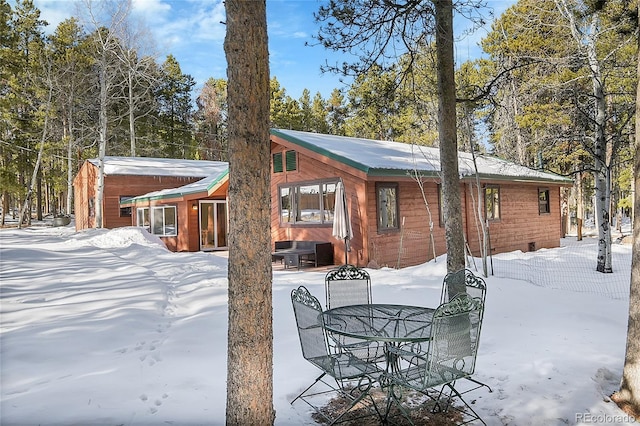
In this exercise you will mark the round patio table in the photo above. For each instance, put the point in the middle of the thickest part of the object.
(391, 325)
(380, 322)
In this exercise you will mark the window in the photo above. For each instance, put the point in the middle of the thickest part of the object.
(277, 163)
(164, 221)
(308, 203)
(91, 204)
(492, 202)
(290, 160)
(142, 218)
(543, 201)
(158, 220)
(387, 202)
(125, 211)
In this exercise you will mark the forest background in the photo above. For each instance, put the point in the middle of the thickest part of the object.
(531, 99)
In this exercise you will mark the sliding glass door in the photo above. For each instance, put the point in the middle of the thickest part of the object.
(213, 225)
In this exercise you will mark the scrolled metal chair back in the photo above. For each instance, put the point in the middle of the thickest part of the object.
(307, 309)
(347, 285)
(464, 281)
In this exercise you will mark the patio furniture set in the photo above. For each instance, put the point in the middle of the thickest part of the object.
(361, 346)
(297, 253)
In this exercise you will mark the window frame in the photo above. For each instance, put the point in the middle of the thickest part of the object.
(125, 211)
(290, 160)
(396, 188)
(544, 203)
(295, 216)
(494, 189)
(156, 213)
(278, 166)
(140, 215)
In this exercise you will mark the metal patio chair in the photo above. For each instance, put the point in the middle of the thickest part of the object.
(350, 285)
(343, 368)
(347, 285)
(450, 355)
(465, 281)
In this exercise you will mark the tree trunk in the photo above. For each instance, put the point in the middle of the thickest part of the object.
(602, 172)
(580, 206)
(521, 149)
(602, 175)
(452, 208)
(26, 208)
(132, 118)
(250, 335)
(628, 397)
(102, 142)
(5, 207)
(481, 223)
(70, 144)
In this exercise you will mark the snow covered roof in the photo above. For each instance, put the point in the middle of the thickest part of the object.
(143, 166)
(386, 158)
(205, 185)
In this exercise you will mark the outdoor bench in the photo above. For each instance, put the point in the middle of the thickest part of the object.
(296, 253)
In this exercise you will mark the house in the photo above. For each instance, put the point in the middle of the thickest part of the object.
(184, 202)
(393, 195)
(394, 201)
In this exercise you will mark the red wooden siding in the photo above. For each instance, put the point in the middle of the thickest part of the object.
(520, 223)
(85, 188)
(519, 228)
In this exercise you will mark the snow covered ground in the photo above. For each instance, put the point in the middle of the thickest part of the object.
(109, 328)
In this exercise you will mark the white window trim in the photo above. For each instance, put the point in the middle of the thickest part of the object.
(153, 213)
(294, 194)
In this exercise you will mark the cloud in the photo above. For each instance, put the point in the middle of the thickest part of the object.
(150, 8)
(54, 12)
(209, 21)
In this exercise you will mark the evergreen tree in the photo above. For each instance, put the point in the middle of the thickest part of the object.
(175, 111)
(306, 111)
(337, 113)
(72, 70)
(319, 115)
(285, 111)
(373, 106)
(25, 96)
(211, 120)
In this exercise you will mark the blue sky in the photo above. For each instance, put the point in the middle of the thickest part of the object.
(192, 31)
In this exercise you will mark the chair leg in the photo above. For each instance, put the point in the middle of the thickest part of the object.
(363, 390)
(397, 398)
(479, 383)
(310, 386)
(475, 416)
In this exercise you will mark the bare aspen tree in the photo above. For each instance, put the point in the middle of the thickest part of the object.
(105, 39)
(586, 36)
(136, 53)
